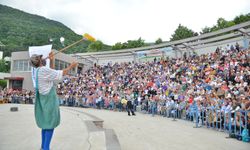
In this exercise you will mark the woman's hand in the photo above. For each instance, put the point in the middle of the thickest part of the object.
(51, 56)
(73, 65)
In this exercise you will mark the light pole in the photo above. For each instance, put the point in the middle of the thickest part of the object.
(62, 39)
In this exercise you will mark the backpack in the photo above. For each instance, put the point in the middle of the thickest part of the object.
(245, 135)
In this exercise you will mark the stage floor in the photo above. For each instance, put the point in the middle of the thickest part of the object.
(18, 131)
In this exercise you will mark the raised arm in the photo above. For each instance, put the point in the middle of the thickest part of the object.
(51, 58)
(66, 70)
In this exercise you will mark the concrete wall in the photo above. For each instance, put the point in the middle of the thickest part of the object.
(27, 81)
(223, 44)
(4, 75)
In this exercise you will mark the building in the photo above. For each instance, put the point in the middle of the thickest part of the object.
(20, 72)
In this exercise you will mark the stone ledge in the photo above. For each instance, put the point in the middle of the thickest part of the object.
(112, 142)
(96, 125)
(13, 109)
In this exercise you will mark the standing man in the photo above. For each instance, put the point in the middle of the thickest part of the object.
(130, 106)
(47, 113)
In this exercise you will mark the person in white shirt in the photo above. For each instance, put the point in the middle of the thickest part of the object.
(47, 113)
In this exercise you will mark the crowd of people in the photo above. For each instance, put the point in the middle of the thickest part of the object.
(17, 96)
(211, 85)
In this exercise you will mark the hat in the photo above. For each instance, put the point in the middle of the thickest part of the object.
(35, 60)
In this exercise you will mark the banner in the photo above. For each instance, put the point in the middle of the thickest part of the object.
(154, 52)
(40, 50)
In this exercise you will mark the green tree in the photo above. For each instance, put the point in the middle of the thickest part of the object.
(158, 41)
(117, 45)
(196, 33)
(140, 42)
(241, 18)
(95, 46)
(230, 23)
(135, 43)
(129, 44)
(4, 66)
(182, 32)
(221, 23)
(214, 28)
(3, 83)
(205, 30)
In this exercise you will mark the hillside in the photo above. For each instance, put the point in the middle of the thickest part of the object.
(19, 30)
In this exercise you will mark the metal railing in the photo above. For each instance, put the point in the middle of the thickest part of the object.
(235, 123)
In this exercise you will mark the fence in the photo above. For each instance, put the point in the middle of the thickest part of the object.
(235, 123)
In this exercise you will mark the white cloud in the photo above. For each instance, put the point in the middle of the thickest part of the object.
(120, 20)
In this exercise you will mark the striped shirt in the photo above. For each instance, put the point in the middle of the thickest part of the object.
(47, 77)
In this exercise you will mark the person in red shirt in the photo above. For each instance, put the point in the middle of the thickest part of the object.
(190, 100)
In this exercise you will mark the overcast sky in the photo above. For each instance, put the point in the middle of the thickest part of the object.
(114, 21)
